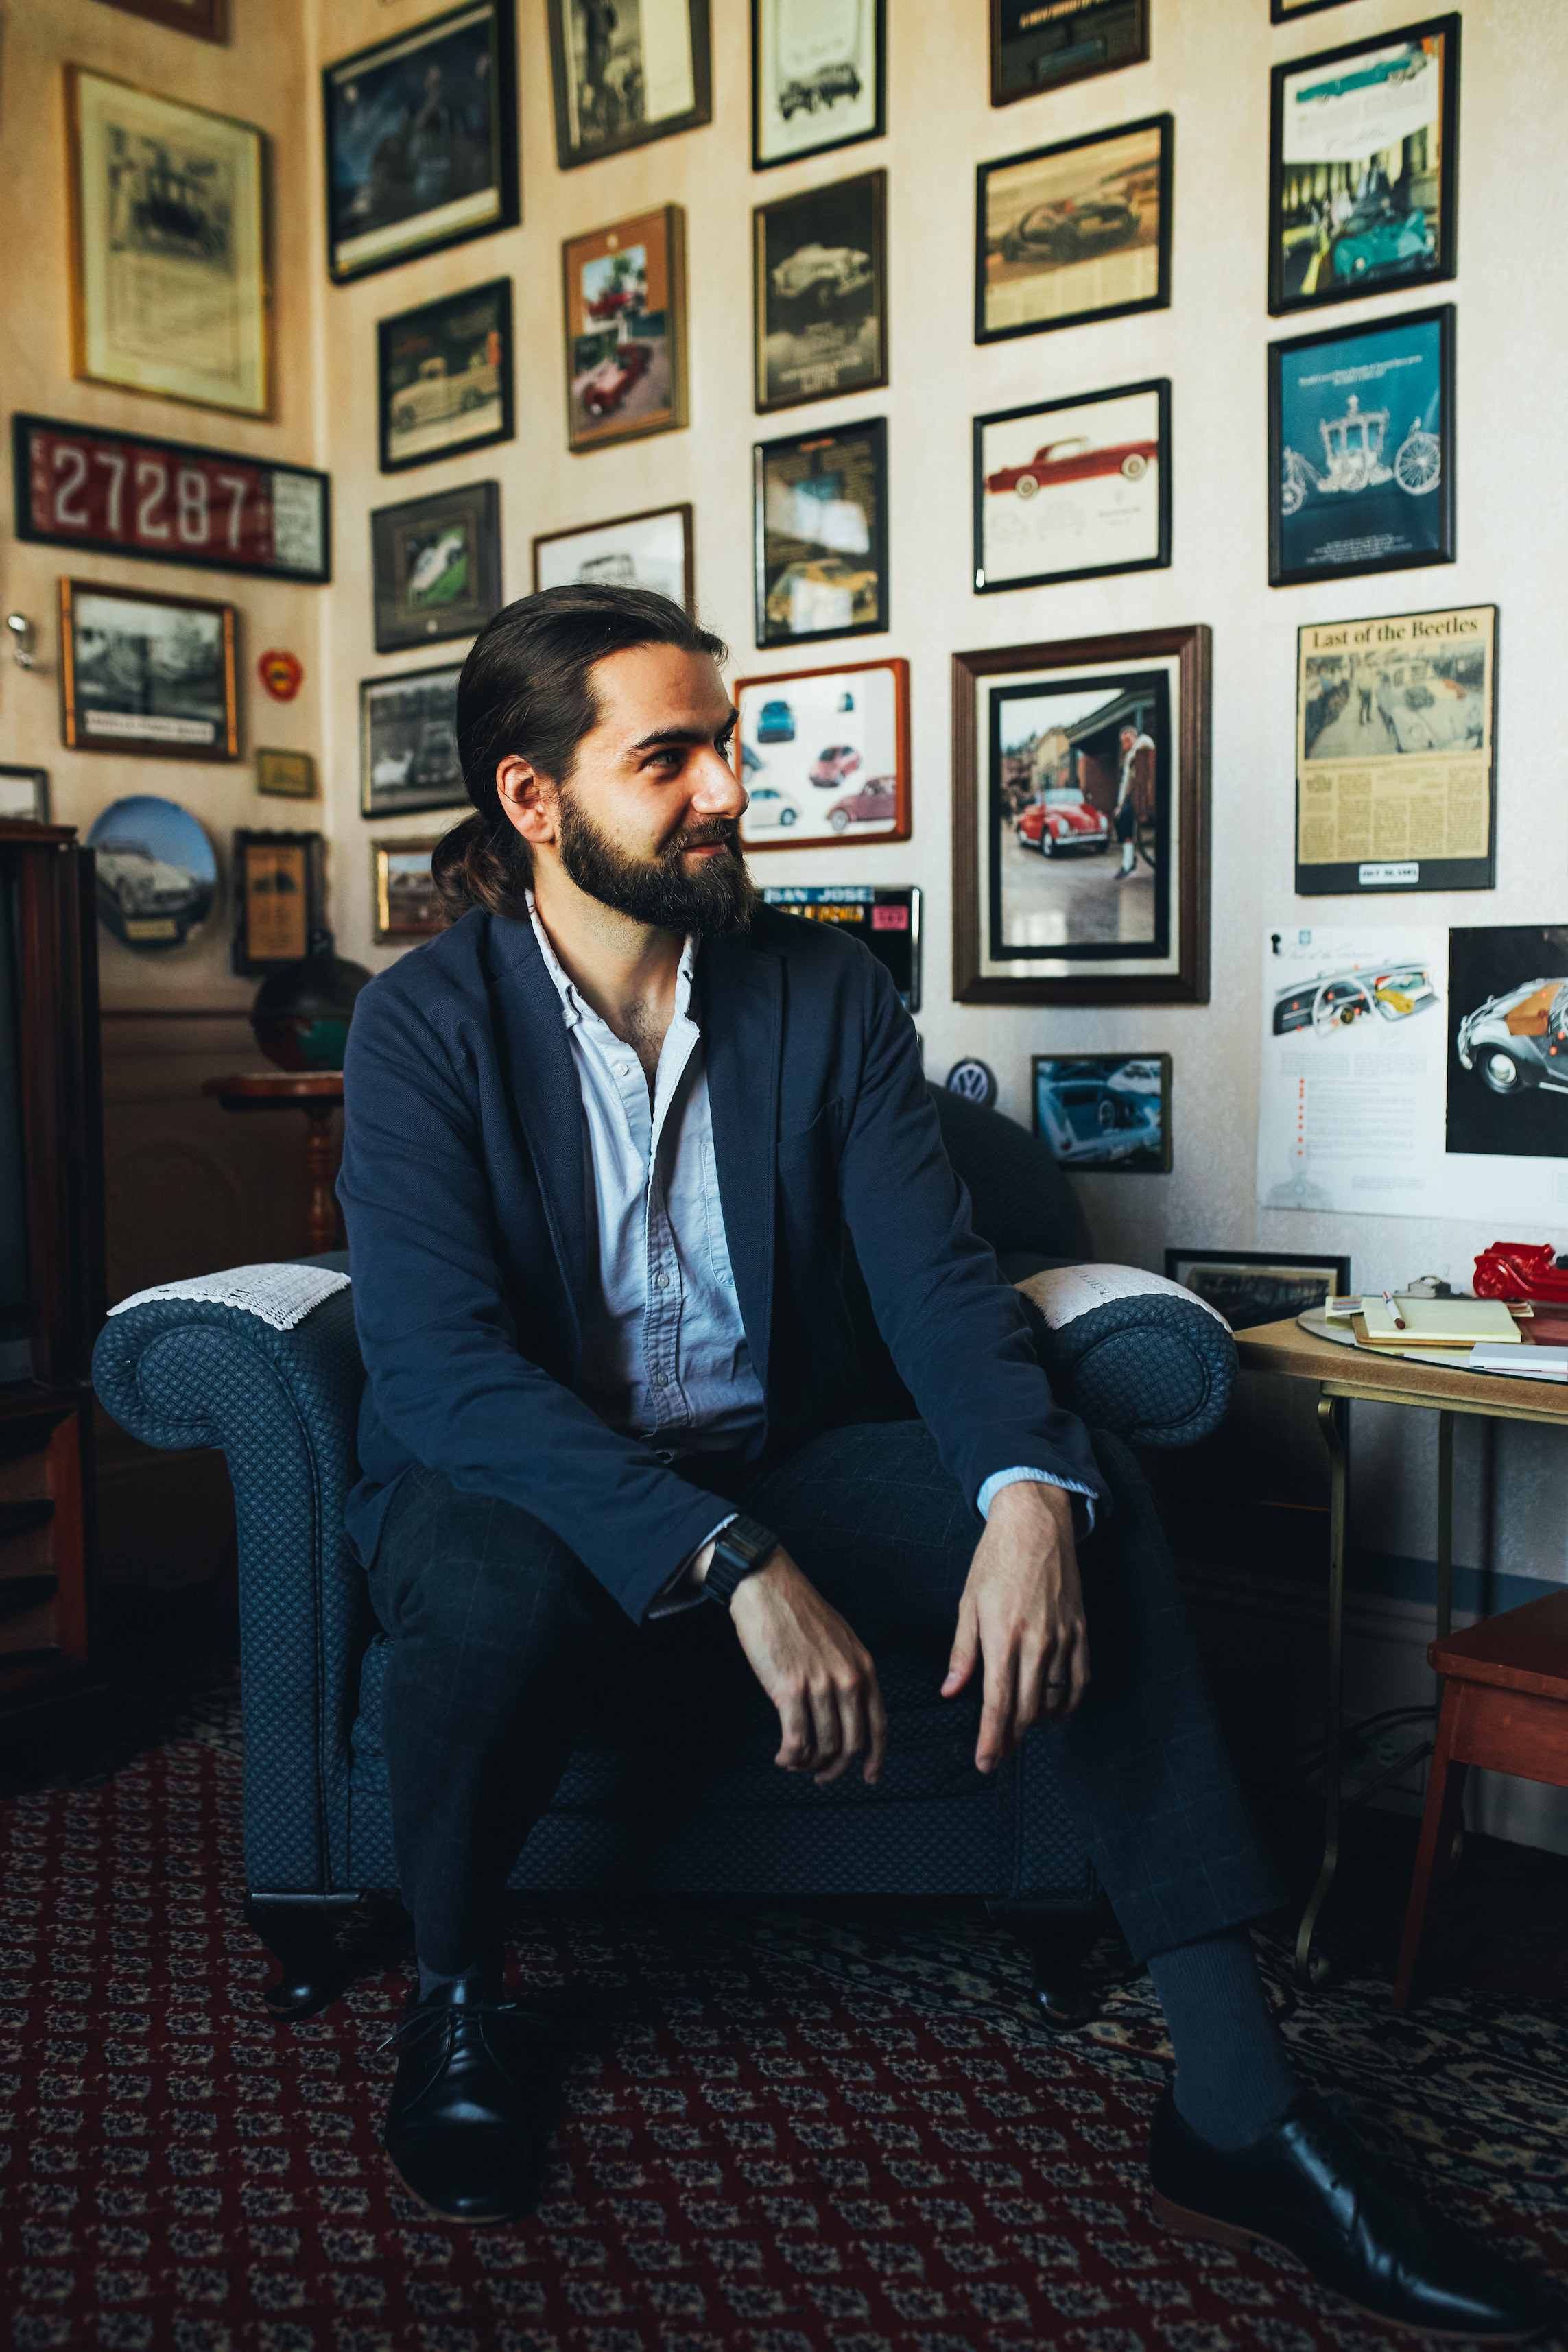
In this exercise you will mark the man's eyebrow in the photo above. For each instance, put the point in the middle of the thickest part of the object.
(669, 735)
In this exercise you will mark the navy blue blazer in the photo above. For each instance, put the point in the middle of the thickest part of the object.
(464, 1191)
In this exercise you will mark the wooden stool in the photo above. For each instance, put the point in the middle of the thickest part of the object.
(1505, 1708)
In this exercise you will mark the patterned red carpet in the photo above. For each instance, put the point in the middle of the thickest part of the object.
(786, 2129)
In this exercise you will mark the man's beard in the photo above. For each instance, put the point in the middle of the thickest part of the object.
(712, 897)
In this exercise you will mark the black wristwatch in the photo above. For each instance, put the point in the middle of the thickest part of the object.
(744, 1545)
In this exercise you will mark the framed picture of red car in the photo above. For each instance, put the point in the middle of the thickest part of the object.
(625, 328)
(1080, 802)
(825, 755)
(1076, 231)
(822, 534)
(1073, 489)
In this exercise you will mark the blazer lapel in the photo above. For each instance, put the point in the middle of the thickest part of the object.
(743, 998)
(544, 1089)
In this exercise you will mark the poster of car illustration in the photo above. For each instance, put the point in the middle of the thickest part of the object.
(824, 755)
(1362, 167)
(1361, 427)
(819, 291)
(1069, 488)
(1079, 230)
(822, 534)
(816, 65)
(1105, 1113)
(1394, 779)
(625, 332)
(1507, 1107)
(1350, 1102)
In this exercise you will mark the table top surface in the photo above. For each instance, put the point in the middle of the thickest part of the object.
(1393, 1379)
(278, 1086)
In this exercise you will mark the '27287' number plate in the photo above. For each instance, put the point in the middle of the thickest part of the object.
(169, 500)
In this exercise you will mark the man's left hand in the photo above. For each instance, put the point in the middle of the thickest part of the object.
(1022, 1614)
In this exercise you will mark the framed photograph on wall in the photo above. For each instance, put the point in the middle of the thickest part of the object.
(1035, 48)
(1080, 804)
(156, 676)
(207, 19)
(436, 564)
(408, 742)
(1395, 760)
(1081, 230)
(825, 755)
(171, 272)
(1253, 1286)
(1363, 167)
(286, 775)
(1073, 489)
(819, 287)
(821, 505)
(652, 550)
(819, 73)
(402, 893)
(1361, 449)
(280, 900)
(1285, 11)
(625, 328)
(444, 377)
(421, 140)
(626, 73)
(1104, 1113)
(24, 795)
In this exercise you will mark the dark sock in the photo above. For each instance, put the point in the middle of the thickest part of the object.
(1233, 2079)
(488, 1977)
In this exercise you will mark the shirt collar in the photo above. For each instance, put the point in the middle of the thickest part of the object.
(573, 1008)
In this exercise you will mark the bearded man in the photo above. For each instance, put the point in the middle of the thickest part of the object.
(607, 1140)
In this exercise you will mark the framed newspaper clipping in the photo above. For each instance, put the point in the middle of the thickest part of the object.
(1395, 756)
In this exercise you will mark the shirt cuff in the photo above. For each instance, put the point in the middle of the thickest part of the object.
(684, 1590)
(1000, 1478)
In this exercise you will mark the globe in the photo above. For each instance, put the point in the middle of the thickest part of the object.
(301, 1014)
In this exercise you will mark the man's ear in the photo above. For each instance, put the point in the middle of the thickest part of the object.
(527, 798)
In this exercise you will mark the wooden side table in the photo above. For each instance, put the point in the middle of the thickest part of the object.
(1341, 1374)
(316, 1093)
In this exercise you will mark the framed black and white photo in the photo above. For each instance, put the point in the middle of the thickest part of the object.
(156, 676)
(403, 892)
(408, 742)
(1072, 489)
(1253, 1286)
(1361, 449)
(24, 795)
(819, 287)
(821, 506)
(1036, 48)
(437, 566)
(818, 76)
(1080, 821)
(280, 900)
(444, 377)
(626, 71)
(824, 755)
(421, 140)
(652, 550)
(1363, 167)
(1077, 231)
(1104, 1113)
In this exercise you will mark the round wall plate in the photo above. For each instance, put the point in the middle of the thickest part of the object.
(157, 877)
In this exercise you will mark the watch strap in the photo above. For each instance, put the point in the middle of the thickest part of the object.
(738, 1550)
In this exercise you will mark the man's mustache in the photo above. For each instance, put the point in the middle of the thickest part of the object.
(726, 829)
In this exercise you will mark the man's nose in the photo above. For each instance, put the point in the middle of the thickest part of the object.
(719, 792)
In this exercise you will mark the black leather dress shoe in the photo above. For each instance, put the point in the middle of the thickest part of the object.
(1313, 2186)
(469, 2123)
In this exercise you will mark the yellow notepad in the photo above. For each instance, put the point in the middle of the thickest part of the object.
(1440, 1323)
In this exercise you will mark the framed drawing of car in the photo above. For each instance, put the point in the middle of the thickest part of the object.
(1035, 48)
(1073, 489)
(625, 328)
(1104, 1113)
(1079, 230)
(1396, 762)
(652, 549)
(824, 756)
(821, 512)
(819, 281)
(626, 71)
(436, 564)
(818, 76)
(1363, 168)
(1080, 805)
(408, 742)
(1361, 449)
(444, 377)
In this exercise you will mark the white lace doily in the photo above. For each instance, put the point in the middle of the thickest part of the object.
(1065, 1292)
(281, 1296)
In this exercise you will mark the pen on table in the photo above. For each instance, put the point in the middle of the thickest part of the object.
(1393, 1310)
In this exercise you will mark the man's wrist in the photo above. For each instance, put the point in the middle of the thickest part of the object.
(740, 1550)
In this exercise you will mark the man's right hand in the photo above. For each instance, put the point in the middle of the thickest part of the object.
(815, 1672)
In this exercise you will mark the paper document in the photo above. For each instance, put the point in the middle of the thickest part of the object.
(1441, 1322)
(1524, 1363)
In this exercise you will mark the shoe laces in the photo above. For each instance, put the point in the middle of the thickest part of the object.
(451, 2014)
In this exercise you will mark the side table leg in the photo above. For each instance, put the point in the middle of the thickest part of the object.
(1310, 1970)
(1444, 1531)
(320, 1207)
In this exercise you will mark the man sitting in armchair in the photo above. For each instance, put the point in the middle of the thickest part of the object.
(605, 1139)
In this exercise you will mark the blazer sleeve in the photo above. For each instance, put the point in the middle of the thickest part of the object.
(956, 1331)
(449, 1379)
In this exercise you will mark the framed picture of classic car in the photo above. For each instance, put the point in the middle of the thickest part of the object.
(1253, 1286)
(280, 900)
(650, 550)
(1073, 489)
(1076, 231)
(822, 534)
(146, 672)
(819, 285)
(1104, 1113)
(625, 290)
(626, 73)
(437, 566)
(408, 742)
(1363, 168)
(444, 377)
(818, 76)
(825, 755)
(1035, 48)
(1080, 817)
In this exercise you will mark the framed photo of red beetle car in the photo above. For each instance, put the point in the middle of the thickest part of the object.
(824, 756)
(1073, 489)
(625, 328)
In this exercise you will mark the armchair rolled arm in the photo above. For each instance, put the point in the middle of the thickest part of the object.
(1132, 1352)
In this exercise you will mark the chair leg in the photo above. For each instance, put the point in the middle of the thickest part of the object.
(1060, 1936)
(298, 1937)
(1439, 1825)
